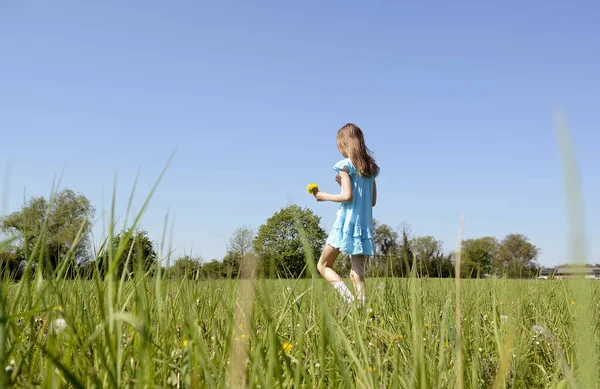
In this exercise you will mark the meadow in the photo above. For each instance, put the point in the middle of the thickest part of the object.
(151, 332)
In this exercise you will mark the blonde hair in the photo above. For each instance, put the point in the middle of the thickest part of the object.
(351, 142)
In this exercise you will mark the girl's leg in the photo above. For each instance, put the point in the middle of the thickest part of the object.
(357, 275)
(328, 257)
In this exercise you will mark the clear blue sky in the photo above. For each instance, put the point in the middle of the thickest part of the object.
(455, 99)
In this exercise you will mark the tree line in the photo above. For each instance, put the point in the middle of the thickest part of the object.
(55, 235)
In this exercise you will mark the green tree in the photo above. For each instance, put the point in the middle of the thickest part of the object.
(186, 267)
(478, 256)
(386, 249)
(406, 258)
(139, 252)
(56, 223)
(278, 243)
(517, 257)
(240, 244)
(429, 255)
(213, 270)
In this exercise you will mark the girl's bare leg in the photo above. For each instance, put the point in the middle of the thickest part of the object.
(357, 275)
(328, 257)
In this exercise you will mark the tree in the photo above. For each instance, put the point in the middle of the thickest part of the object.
(213, 269)
(138, 251)
(404, 266)
(386, 248)
(279, 245)
(186, 267)
(239, 246)
(429, 255)
(57, 223)
(478, 256)
(517, 256)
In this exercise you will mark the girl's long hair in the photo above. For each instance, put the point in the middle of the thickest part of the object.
(351, 142)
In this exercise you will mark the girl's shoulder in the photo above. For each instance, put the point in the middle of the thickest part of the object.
(345, 165)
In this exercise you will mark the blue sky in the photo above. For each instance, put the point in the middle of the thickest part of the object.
(455, 99)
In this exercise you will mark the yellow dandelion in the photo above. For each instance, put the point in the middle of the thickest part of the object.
(185, 343)
(572, 302)
(426, 325)
(312, 188)
(287, 347)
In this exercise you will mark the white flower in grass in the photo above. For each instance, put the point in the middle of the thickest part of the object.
(11, 367)
(504, 318)
(480, 349)
(288, 289)
(58, 325)
(317, 365)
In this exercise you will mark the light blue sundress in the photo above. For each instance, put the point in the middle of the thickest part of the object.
(352, 232)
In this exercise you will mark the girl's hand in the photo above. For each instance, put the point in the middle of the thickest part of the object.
(338, 179)
(321, 196)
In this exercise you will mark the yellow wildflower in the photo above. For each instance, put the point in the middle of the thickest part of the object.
(312, 188)
(372, 369)
(287, 347)
(426, 325)
(572, 302)
(185, 343)
(58, 308)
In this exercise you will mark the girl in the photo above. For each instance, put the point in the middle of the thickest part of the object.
(352, 232)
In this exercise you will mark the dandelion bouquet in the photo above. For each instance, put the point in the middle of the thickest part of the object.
(312, 188)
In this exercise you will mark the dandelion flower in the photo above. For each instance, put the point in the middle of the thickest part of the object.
(572, 302)
(312, 188)
(287, 347)
(185, 343)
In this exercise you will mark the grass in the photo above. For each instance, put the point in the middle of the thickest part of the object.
(183, 333)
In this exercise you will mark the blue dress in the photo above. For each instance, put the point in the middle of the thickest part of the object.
(352, 232)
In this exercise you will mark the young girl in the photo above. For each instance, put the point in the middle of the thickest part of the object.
(352, 232)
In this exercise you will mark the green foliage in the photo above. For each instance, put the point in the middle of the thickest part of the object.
(431, 261)
(478, 256)
(55, 224)
(278, 243)
(139, 253)
(240, 244)
(186, 267)
(386, 250)
(517, 256)
(213, 270)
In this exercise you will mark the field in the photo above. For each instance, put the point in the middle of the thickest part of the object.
(151, 332)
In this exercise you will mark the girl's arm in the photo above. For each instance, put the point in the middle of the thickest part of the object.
(343, 197)
(374, 192)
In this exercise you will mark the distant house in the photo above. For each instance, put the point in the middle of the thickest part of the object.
(561, 273)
